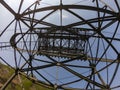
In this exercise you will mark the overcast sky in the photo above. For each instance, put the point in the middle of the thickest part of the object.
(6, 17)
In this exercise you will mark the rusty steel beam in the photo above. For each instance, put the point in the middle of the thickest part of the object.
(71, 7)
(8, 7)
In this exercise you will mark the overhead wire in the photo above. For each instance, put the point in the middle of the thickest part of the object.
(86, 0)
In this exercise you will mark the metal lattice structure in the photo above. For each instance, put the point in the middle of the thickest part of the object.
(64, 45)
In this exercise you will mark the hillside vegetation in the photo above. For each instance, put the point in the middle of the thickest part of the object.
(19, 82)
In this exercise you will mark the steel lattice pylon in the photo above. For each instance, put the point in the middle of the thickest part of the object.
(64, 45)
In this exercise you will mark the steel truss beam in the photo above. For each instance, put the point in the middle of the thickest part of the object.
(8, 7)
(44, 52)
(66, 7)
(111, 16)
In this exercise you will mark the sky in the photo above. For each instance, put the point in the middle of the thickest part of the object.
(8, 54)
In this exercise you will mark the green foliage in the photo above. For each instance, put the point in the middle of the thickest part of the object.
(16, 84)
(27, 84)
